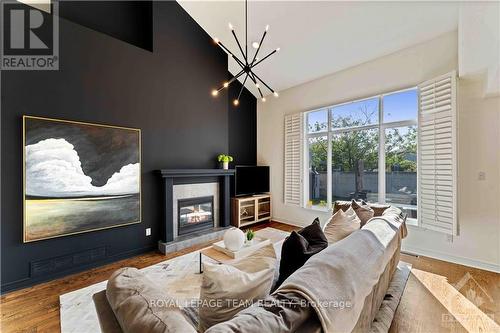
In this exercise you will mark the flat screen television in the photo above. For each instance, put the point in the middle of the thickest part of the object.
(251, 180)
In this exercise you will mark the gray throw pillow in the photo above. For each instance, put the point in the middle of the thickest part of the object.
(140, 306)
(364, 212)
(341, 225)
(227, 289)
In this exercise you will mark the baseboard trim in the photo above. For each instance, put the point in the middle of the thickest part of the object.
(29, 282)
(285, 221)
(454, 259)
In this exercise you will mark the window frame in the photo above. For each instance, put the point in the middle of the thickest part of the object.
(329, 132)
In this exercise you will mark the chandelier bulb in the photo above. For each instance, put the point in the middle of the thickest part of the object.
(257, 85)
(215, 92)
(275, 94)
(267, 27)
(236, 102)
(230, 26)
(225, 84)
(278, 49)
(263, 99)
(216, 40)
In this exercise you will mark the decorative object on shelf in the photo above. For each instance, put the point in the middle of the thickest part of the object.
(79, 177)
(250, 234)
(247, 210)
(245, 249)
(224, 161)
(246, 64)
(234, 239)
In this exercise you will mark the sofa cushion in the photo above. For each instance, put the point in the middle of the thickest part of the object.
(363, 211)
(226, 289)
(299, 247)
(341, 225)
(106, 316)
(401, 217)
(140, 306)
(378, 209)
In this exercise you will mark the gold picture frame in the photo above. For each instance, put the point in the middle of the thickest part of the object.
(79, 177)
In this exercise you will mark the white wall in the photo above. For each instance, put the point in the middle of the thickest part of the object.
(478, 243)
(479, 43)
(479, 145)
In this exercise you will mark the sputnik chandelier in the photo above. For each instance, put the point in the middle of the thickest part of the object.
(246, 65)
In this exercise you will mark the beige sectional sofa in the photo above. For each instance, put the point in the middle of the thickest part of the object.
(357, 269)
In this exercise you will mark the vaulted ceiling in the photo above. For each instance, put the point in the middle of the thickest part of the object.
(318, 38)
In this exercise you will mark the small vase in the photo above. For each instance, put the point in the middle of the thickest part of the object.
(249, 242)
(225, 165)
(234, 239)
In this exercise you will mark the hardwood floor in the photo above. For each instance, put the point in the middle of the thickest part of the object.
(445, 297)
(430, 302)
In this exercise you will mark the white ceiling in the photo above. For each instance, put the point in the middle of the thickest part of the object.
(320, 38)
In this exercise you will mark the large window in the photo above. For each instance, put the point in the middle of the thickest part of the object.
(365, 149)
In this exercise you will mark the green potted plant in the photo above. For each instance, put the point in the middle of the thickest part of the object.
(249, 236)
(224, 160)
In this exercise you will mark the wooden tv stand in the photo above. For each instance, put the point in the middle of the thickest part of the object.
(250, 209)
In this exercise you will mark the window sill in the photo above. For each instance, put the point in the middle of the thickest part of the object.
(412, 222)
(317, 209)
(409, 221)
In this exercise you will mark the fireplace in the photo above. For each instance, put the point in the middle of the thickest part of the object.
(188, 220)
(195, 214)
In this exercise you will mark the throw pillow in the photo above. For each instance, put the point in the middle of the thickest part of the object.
(378, 209)
(140, 306)
(227, 289)
(299, 247)
(364, 212)
(341, 204)
(341, 225)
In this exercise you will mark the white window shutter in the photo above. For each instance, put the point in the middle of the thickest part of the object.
(437, 160)
(293, 160)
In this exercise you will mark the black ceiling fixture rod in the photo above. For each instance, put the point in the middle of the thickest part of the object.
(246, 66)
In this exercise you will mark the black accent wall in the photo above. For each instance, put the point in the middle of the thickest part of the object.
(102, 79)
(130, 21)
(242, 125)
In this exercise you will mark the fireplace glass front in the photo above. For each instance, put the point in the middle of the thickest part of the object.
(195, 214)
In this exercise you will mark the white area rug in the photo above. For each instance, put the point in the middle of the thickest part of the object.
(180, 276)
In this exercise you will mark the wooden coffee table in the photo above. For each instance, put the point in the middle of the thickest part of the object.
(276, 236)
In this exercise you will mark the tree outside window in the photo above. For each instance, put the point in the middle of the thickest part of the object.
(353, 133)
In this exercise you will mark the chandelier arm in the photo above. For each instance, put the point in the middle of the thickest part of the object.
(258, 49)
(239, 45)
(232, 80)
(246, 30)
(260, 92)
(258, 78)
(236, 76)
(239, 62)
(242, 86)
(267, 56)
(231, 54)
(252, 78)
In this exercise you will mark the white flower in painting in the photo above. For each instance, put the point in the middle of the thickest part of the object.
(53, 169)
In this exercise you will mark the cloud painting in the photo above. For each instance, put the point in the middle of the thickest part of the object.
(79, 177)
